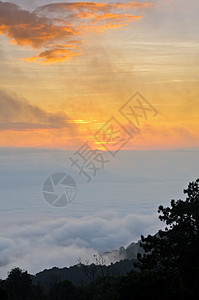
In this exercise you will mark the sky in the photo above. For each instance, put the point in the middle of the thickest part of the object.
(114, 79)
(67, 67)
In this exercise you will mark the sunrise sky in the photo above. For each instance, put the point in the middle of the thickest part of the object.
(123, 75)
(67, 68)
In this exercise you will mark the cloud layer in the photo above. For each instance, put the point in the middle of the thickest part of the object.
(18, 114)
(57, 28)
(37, 244)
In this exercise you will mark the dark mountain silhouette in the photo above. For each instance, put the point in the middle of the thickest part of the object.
(78, 276)
(118, 262)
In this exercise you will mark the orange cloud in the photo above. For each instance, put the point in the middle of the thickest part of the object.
(62, 23)
(132, 4)
(107, 17)
(100, 23)
(58, 54)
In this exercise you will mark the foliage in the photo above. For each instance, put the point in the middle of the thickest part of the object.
(174, 252)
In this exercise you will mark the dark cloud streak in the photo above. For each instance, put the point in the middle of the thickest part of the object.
(18, 114)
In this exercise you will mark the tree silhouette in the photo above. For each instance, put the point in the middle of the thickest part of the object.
(19, 284)
(3, 291)
(63, 290)
(175, 251)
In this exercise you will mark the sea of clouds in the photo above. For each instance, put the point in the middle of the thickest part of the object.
(113, 210)
(34, 244)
